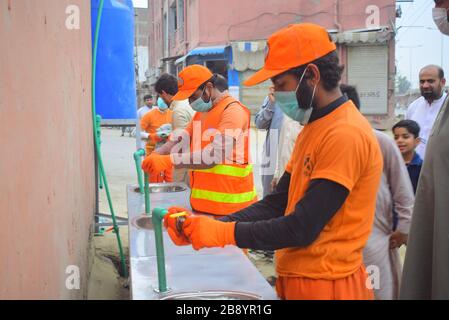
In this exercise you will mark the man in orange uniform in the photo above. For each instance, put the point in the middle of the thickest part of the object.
(153, 121)
(320, 216)
(214, 146)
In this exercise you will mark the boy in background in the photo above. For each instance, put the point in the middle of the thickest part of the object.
(406, 135)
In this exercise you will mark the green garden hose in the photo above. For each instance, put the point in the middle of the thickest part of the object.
(97, 143)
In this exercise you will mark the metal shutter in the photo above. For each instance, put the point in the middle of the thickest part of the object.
(368, 71)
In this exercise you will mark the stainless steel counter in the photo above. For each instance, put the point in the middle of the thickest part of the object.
(214, 269)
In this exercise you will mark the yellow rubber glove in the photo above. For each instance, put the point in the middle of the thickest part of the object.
(205, 232)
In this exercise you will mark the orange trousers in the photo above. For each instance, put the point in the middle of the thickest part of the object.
(352, 287)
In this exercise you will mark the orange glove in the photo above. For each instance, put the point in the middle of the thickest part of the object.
(205, 232)
(155, 163)
(170, 224)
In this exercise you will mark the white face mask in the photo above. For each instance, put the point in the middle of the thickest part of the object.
(440, 18)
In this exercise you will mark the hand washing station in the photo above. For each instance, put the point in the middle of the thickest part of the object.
(208, 274)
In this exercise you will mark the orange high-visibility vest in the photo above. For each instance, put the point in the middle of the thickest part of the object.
(224, 188)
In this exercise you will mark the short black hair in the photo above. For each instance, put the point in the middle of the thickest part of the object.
(410, 125)
(439, 69)
(147, 96)
(329, 67)
(351, 93)
(167, 83)
(221, 83)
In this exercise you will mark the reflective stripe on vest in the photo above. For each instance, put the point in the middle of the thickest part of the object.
(227, 170)
(224, 197)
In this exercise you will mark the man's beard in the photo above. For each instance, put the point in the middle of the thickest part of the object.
(432, 95)
(304, 96)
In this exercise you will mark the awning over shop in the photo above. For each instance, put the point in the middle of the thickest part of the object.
(349, 37)
(248, 55)
(170, 58)
(217, 52)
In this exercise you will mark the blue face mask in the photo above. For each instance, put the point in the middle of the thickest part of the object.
(161, 104)
(288, 102)
(199, 104)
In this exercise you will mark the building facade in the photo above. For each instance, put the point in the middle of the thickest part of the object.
(230, 36)
(143, 26)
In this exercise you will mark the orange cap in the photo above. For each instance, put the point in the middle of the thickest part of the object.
(190, 79)
(292, 47)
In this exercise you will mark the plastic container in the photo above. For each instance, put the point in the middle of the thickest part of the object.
(115, 78)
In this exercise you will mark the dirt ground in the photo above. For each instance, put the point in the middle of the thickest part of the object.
(105, 282)
(117, 151)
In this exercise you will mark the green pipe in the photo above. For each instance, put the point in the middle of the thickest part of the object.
(100, 179)
(147, 195)
(97, 144)
(137, 159)
(158, 216)
(98, 120)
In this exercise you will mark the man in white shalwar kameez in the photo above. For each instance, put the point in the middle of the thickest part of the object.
(382, 250)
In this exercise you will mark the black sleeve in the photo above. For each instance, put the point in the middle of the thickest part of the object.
(272, 206)
(301, 228)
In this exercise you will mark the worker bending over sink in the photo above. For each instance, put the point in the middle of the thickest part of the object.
(321, 213)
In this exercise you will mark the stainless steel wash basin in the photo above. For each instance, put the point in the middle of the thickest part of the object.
(143, 222)
(220, 273)
(212, 295)
(166, 188)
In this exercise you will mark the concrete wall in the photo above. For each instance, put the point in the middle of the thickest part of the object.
(221, 22)
(47, 189)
